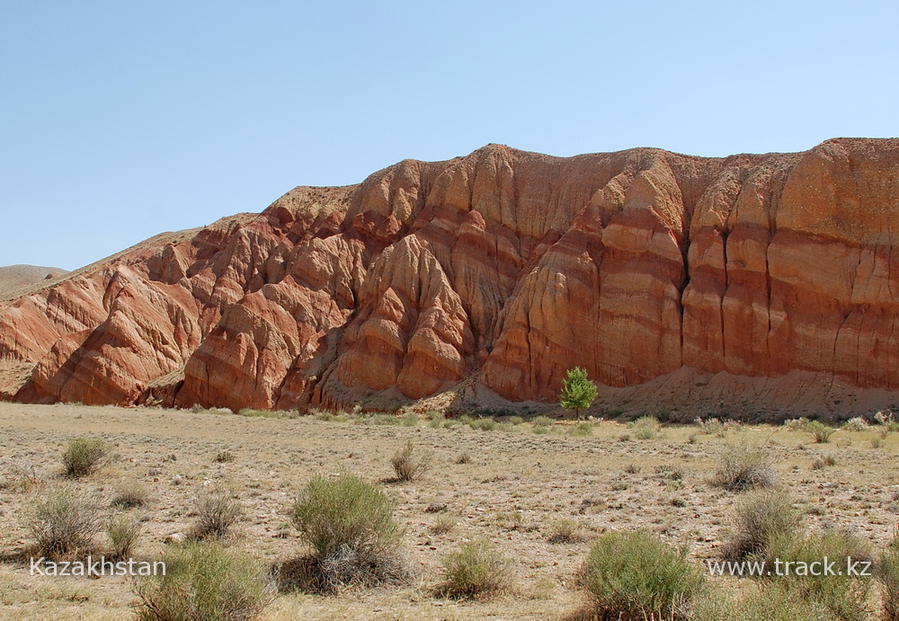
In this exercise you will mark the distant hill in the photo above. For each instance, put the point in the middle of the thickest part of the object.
(16, 276)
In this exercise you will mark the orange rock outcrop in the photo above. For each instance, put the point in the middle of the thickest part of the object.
(765, 278)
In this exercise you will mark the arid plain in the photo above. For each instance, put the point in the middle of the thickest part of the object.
(508, 483)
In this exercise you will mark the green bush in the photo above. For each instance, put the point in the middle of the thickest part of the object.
(62, 521)
(845, 596)
(774, 602)
(762, 521)
(582, 428)
(349, 524)
(407, 465)
(475, 570)
(634, 575)
(744, 467)
(819, 431)
(83, 455)
(483, 424)
(204, 582)
(888, 576)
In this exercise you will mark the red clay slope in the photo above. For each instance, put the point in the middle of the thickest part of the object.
(752, 281)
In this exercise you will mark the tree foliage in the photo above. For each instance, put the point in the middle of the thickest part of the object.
(578, 392)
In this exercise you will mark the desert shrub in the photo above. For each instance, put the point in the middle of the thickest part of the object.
(217, 512)
(582, 428)
(823, 462)
(774, 602)
(383, 419)
(743, 467)
(635, 575)
(22, 477)
(541, 429)
(761, 521)
(436, 420)
(515, 420)
(254, 413)
(409, 466)
(204, 582)
(443, 525)
(856, 424)
(63, 520)
(349, 524)
(542, 421)
(709, 425)
(475, 570)
(129, 493)
(796, 424)
(844, 595)
(645, 427)
(888, 576)
(223, 457)
(565, 531)
(123, 532)
(483, 424)
(463, 458)
(83, 455)
(819, 431)
(409, 420)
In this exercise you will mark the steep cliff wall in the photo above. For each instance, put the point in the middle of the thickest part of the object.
(749, 282)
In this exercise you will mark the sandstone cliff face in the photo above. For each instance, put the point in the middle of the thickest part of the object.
(503, 269)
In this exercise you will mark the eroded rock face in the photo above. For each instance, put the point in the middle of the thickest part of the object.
(504, 266)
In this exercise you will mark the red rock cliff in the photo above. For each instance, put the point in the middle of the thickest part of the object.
(752, 280)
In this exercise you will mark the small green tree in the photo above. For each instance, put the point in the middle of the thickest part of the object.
(578, 392)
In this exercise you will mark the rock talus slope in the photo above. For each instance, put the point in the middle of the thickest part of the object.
(752, 281)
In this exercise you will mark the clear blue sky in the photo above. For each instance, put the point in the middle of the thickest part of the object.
(122, 119)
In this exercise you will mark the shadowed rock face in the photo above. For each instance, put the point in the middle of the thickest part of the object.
(504, 266)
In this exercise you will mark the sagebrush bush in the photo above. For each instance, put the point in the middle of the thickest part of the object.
(844, 595)
(771, 602)
(823, 462)
(223, 457)
(483, 424)
(83, 455)
(711, 426)
(565, 531)
(349, 524)
(742, 468)
(475, 570)
(204, 582)
(888, 576)
(582, 428)
(634, 575)
(217, 512)
(645, 427)
(123, 531)
(409, 465)
(761, 521)
(63, 520)
(129, 493)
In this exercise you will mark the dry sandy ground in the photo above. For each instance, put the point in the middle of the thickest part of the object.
(517, 484)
